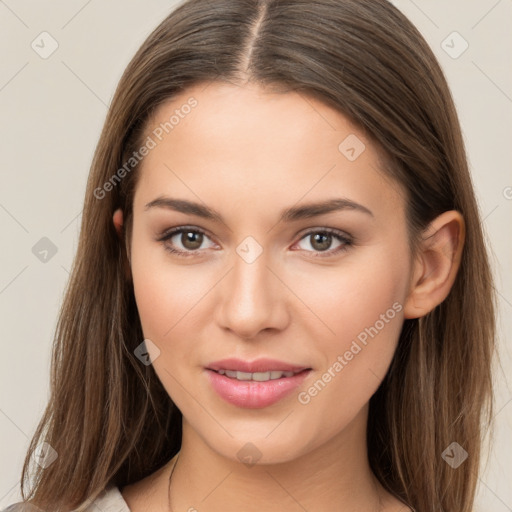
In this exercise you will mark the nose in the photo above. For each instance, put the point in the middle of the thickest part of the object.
(252, 299)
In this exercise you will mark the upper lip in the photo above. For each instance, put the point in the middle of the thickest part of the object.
(256, 366)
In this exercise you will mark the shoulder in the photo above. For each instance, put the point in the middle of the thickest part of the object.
(21, 507)
(110, 500)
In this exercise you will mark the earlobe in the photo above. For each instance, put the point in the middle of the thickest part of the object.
(117, 219)
(436, 265)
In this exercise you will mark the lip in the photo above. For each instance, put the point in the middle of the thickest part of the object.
(258, 365)
(254, 394)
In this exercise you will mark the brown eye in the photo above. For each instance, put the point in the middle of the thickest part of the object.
(324, 242)
(185, 241)
(321, 241)
(191, 240)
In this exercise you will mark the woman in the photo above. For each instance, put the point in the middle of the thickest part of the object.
(281, 298)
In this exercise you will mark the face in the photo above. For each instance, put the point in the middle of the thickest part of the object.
(267, 241)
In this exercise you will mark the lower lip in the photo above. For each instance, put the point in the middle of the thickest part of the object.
(252, 394)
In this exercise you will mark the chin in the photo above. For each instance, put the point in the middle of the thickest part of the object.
(251, 445)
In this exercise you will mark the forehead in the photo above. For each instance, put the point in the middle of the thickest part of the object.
(240, 116)
(247, 143)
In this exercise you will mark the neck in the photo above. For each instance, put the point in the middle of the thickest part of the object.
(335, 475)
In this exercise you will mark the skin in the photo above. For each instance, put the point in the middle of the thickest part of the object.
(248, 154)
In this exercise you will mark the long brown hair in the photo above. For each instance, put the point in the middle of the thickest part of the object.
(109, 418)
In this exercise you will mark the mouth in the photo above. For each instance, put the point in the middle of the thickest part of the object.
(255, 384)
(258, 376)
(259, 367)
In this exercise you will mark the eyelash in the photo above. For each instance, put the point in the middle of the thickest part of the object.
(342, 237)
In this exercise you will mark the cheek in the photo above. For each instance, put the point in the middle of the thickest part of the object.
(165, 294)
(353, 296)
(169, 301)
(362, 304)
(163, 298)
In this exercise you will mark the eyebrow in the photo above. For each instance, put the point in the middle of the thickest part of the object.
(288, 215)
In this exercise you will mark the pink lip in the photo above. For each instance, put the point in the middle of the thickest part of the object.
(259, 365)
(253, 394)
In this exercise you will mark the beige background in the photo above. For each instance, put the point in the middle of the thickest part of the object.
(52, 111)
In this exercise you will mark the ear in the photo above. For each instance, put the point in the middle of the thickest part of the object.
(436, 264)
(118, 220)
